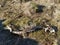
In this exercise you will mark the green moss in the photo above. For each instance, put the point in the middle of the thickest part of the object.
(38, 35)
(8, 21)
(22, 21)
(37, 20)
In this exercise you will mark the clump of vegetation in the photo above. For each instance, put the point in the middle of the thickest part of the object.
(13, 12)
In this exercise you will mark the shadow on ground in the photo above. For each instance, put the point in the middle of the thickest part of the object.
(8, 38)
(1, 25)
(40, 8)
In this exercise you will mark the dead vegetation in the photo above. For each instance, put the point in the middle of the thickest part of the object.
(24, 13)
